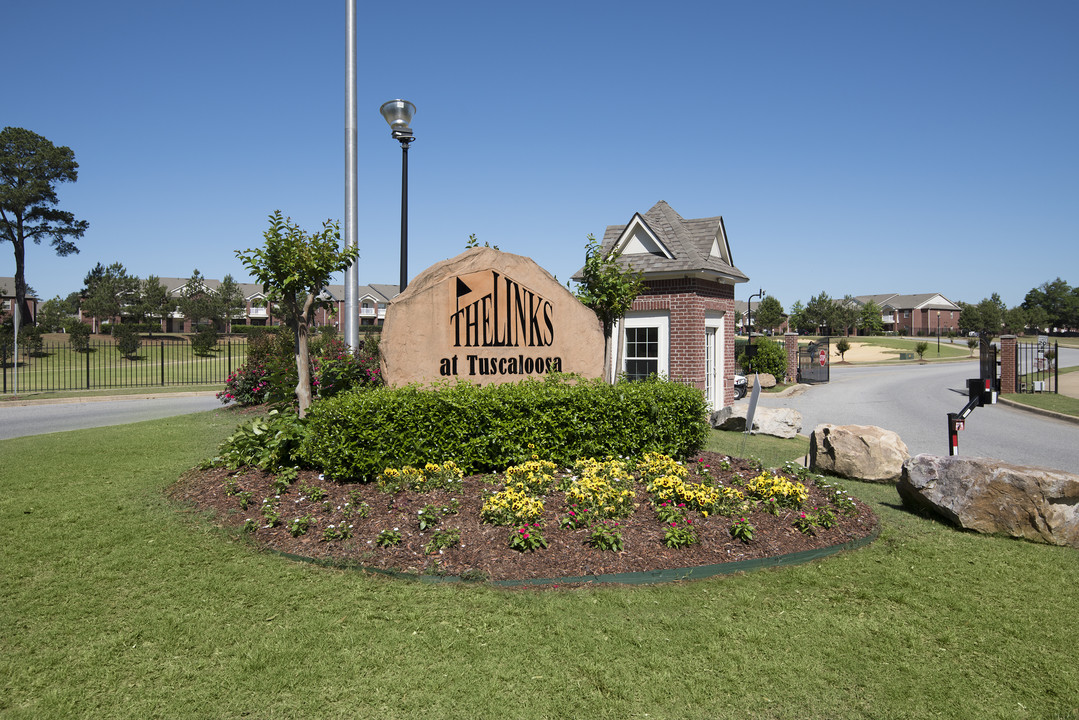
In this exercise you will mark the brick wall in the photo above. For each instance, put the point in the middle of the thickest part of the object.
(687, 300)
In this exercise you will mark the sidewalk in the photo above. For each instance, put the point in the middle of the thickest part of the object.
(1069, 385)
(106, 398)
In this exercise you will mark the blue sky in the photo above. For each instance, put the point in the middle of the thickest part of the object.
(852, 147)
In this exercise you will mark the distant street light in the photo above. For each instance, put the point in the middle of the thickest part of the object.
(938, 332)
(398, 114)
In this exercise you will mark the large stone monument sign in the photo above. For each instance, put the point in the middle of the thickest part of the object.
(488, 317)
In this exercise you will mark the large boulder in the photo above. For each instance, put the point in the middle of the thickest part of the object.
(780, 422)
(767, 380)
(862, 452)
(992, 496)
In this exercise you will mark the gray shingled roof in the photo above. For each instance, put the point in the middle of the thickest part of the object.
(689, 241)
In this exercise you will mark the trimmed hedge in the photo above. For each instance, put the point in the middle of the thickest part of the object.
(356, 435)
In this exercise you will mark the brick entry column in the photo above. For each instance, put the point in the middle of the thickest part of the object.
(790, 341)
(1007, 364)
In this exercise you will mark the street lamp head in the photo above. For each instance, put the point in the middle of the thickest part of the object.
(398, 114)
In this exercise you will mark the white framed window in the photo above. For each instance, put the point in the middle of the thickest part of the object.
(646, 345)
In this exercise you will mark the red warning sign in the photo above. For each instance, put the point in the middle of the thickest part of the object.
(823, 358)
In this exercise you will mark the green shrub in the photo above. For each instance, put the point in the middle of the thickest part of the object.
(357, 435)
(78, 336)
(269, 443)
(770, 358)
(127, 338)
(204, 341)
(31, 339)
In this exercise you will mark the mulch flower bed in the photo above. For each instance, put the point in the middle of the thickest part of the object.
(312, 518)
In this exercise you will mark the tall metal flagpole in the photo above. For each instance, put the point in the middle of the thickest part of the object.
(352, 274)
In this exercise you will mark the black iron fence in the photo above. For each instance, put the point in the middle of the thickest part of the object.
(159, 361)
(1036, 367)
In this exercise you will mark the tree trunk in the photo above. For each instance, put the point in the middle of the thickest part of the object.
(303, 360)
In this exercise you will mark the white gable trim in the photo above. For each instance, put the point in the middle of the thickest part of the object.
(721, 248)
(638, 239)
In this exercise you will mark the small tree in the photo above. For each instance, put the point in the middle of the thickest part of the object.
(920, 348)
(295, 266)
(198, 301)
(972, 342)
(230, 300)
(607, 289)
(842, 346)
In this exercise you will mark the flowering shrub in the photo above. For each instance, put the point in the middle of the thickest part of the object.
(336, 369)
(247, 385)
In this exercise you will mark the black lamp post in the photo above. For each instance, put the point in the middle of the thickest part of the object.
(938, 332)
(398, 114)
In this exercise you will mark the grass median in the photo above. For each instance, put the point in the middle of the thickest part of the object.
(116, 605)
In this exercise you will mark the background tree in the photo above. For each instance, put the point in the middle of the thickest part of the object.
(54, 314)
(154, 301)
(1057, 300)
(230, 300)
(107, 291)
(986, 318)
(769, 313)
(796, 319)
(30, 168)
(1015, 320)
(869, 319)
(820, 313)
(846, 313)
(607, 289)
(294, 267)
(198, 302)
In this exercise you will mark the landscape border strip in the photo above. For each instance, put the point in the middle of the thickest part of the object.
(643, 577)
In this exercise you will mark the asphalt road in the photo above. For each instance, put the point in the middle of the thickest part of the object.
(914, 401)
(40, 418)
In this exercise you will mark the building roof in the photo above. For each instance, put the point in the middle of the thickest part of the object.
(920, 301)
(662, 243)
(7, 289)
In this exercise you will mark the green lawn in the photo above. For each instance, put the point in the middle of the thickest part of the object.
(114, 605)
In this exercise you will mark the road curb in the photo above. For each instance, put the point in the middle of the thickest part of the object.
(106, 398)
